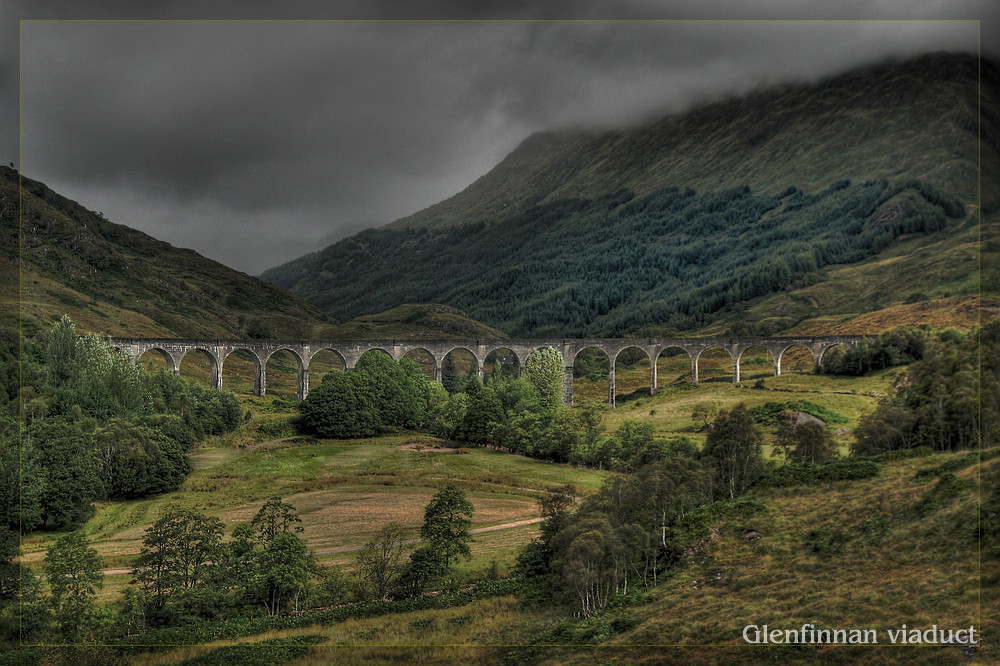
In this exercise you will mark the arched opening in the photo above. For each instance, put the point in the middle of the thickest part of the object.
(756, 362)
(673, 366)
(424, 359)
(239, 372)
(156, 360)
(715, 364)
(281, 373)
(796, 360)
(456, 366)
(833, 360)
(502, 363)
(591, 375)
(322, 362)
(632, 378)
(201, 366)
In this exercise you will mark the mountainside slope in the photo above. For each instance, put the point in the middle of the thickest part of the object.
(686, 223)
(913, 119)
(116, 280)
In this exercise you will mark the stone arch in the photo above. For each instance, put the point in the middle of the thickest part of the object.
(335, 352)
(276, 378)
(199, 374)
(628, 383)
(172, 366)
(508, 359)
(672, 361)
(754, 362)
(801, 359)
(831, 352)
(456, 362)
(244, 368)
(710, 365)
(424, 358)
(322, 361)
(585, 375)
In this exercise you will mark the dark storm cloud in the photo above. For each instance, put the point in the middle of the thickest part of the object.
(251, 141)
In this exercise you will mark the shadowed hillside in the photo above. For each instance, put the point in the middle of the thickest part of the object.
(116, 280)
(686, 224)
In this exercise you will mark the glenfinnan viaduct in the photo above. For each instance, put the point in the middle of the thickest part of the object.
(173, 350)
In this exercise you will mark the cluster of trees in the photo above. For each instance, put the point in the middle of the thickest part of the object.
(899, 346)
(378, 394)
(563, 274)
(185, 573)
(383, 567)
(87, 423)
(640, 523)
(947, 400)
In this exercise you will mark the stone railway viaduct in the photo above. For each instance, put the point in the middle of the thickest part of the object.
(173, 351)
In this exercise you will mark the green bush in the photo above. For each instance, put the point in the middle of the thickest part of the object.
(808, 474)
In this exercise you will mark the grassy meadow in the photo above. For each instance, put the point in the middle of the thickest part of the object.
(871, 554)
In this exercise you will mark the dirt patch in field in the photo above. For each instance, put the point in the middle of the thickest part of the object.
(423, 448)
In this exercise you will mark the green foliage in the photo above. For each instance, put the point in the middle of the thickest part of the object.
(544, 369)
(137, 461)
(377, 395)
(450, 377)
(73, 572)
(733, 447)
(274, 518)
(176, 562)
(447, 519)
(809, 474)
(807, 443)
(206, 632)
(482, 415)
(342, 407)
(769, 412)
(281, 575)
(425, 565)
(899, 346)
(380, 562)
(950, 399)
(703, 252)
(71, 480)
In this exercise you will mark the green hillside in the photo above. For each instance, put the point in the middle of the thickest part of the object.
(684, 224)
(116, 280)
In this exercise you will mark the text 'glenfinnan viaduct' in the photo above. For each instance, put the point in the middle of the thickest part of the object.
(173, 350)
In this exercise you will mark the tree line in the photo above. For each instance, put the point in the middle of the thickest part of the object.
(83, 422)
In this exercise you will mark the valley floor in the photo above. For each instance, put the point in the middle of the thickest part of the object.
(868, 554)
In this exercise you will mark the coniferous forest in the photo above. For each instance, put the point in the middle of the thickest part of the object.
(611, 265)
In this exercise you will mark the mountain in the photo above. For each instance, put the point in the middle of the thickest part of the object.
(693, 222)
(116, 280)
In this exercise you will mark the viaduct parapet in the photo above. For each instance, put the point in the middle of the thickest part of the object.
(173, 351)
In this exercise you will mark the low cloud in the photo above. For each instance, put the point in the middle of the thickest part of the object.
(252, 141)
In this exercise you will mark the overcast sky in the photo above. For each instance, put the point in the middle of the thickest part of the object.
(251, 142)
